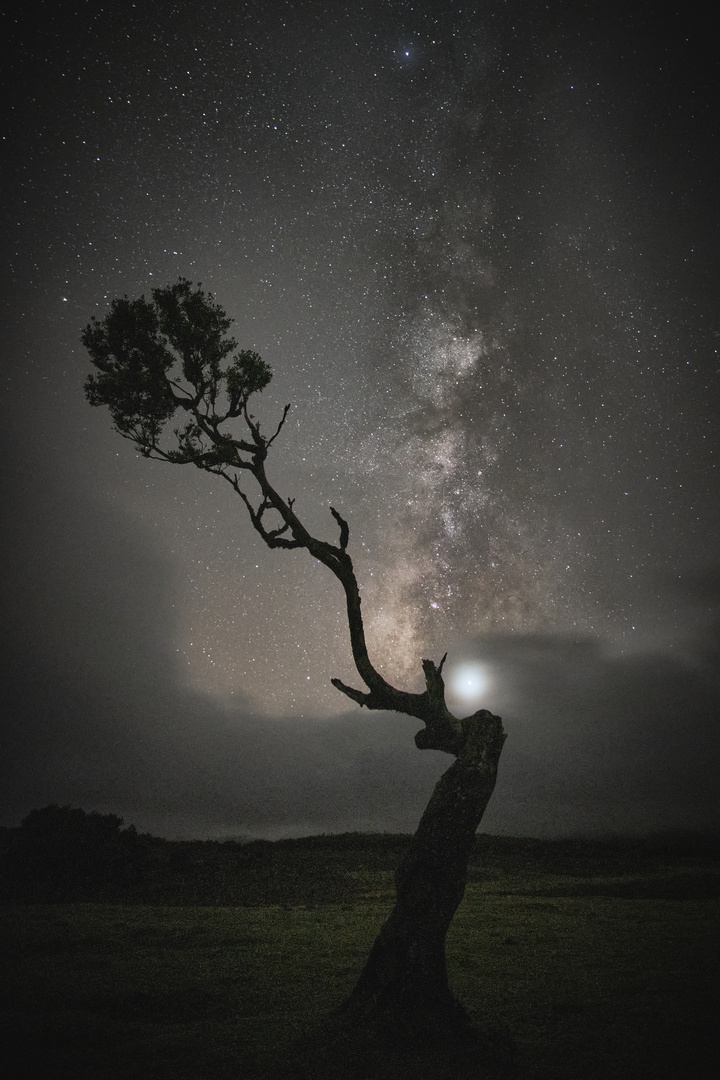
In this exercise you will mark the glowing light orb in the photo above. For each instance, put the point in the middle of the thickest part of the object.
(468, 682)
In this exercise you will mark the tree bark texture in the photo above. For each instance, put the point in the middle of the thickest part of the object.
(404, 986)
(401, 1019)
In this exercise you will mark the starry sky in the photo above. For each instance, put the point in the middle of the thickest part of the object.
(479, 246)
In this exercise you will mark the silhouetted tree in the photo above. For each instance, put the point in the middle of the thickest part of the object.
(180, 389)
(61, 853)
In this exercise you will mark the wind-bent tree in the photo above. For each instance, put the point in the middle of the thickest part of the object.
(180, 389)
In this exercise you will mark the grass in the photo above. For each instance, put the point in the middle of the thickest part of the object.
(596, 976)
(593, 987)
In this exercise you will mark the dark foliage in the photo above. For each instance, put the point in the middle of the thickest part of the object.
(63, 854)
(170, 355)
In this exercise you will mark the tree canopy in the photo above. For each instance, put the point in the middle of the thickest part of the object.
(157, 358)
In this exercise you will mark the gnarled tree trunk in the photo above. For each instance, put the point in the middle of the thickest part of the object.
(402, 1020)
(402, 1013)
(403, 989)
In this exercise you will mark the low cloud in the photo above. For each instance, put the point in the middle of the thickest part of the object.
(99, 715)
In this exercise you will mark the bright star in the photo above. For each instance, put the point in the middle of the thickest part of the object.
(468, 682)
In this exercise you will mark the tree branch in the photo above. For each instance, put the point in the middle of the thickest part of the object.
(272, 438)
(153, 359)
(362, 697)
(344, 528)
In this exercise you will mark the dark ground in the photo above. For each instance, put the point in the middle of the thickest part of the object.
(127, 956)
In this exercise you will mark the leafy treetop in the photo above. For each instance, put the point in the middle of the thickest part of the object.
(157, 358)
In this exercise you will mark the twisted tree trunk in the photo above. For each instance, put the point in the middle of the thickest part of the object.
(402, 999)
(402, 1019)
(403, 990)
(402, 1003)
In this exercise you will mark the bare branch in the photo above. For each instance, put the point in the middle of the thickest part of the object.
(258, 440)
(272, 438)
(274, 538)
(361, 697)
(344, 528)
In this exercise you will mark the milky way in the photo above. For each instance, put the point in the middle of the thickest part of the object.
(479, 251)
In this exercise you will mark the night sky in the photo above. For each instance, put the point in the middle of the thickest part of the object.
(479, 245)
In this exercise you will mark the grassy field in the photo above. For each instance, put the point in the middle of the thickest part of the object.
(598, 970)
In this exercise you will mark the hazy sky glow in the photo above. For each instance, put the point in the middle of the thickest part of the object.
(479, 250)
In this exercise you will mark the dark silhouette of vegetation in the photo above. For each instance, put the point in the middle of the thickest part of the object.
(180, 389)
(62, 854)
